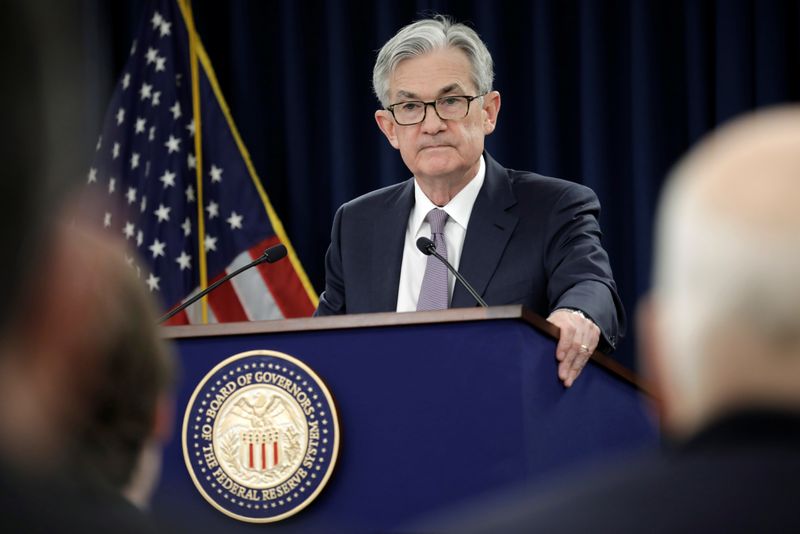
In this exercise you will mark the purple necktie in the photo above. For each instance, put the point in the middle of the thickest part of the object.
(433, 295)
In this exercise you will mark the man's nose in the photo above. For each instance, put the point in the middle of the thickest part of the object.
(431, 123)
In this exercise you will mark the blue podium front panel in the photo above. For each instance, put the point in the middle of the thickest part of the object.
(430, 415)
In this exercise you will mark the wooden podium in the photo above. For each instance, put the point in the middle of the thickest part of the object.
(435, 408)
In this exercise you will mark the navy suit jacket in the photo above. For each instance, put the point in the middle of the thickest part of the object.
(531, 240)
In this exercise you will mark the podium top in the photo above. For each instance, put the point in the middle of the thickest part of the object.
(389, 319)
(364, 320)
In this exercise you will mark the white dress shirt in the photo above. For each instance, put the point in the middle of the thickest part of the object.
(459, 210)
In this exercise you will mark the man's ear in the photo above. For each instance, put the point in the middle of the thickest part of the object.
(490, 110)
(388, 126)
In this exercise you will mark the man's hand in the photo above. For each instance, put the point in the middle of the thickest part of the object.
(579, 338)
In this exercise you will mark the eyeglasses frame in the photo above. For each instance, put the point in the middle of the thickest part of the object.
(390, 108)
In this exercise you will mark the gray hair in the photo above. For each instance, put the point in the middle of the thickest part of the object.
(425, 36)
(728, 254)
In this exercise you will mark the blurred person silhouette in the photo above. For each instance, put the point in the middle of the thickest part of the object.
(84, 378)
(721, 342)
(85, 384)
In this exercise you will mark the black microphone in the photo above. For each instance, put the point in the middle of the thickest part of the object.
(271, 255)
(427, 247)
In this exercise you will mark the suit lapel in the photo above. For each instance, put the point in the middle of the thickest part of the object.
(490, 228)
(388, 240)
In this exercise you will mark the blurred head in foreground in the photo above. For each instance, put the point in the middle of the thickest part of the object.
(85, 378)
(721, 329)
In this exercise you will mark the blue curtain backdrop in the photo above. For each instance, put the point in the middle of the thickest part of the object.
(605, 93)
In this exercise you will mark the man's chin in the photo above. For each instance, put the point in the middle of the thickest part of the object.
(436, 162)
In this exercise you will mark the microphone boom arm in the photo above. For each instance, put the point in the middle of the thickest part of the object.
(270, 255)
(430, 248)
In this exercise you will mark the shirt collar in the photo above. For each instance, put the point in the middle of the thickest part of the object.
(460, 206)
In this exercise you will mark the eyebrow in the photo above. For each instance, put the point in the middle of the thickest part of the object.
(443, 91)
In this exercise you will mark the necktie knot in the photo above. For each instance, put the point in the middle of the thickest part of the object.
(437, 218)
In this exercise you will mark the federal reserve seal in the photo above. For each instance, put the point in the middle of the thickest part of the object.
(260, 436)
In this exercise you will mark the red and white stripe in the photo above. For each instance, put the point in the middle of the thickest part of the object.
(266, 452)
(268, 291)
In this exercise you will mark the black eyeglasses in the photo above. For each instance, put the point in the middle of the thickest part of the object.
(454, 107)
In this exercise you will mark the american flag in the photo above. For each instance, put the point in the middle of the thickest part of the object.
(145, 170)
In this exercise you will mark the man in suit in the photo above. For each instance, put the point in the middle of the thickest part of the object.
(721, 340)
(517, 237)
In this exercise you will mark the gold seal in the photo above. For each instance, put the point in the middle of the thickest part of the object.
(260, 436)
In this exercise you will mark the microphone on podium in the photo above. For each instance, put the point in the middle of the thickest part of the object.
(427, 247)
(271, 255)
